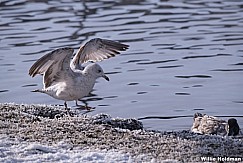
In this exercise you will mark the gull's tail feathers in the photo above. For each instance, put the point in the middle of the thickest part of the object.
(39, 90)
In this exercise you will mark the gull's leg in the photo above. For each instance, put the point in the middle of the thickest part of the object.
(77, 103)
(87, 107)
(80, 106)
(65, 104)
(66, 108)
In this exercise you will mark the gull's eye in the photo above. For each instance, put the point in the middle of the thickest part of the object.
(99, 71)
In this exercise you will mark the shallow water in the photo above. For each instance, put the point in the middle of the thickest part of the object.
(185, 56)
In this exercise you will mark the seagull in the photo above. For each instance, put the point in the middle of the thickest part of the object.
(65, 78)
(205, 124)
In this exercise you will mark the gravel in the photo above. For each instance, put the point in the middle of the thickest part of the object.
(50, 125)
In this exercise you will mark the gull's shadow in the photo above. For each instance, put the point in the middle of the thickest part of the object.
(81, 109)
(84, 108)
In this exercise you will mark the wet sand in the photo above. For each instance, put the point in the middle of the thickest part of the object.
(50, 125)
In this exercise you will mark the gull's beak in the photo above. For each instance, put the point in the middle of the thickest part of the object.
(106, 77)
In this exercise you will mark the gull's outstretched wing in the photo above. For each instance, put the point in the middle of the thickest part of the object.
(97, 50)
(52, 65)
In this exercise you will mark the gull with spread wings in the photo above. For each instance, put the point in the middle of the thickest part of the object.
(67, 79)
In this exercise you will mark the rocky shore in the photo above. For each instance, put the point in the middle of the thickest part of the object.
(49, 125)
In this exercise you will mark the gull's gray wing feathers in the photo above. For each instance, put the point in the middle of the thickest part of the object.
(97, 50)
(52, 65)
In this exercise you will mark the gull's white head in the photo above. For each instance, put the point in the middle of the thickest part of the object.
(96, 71)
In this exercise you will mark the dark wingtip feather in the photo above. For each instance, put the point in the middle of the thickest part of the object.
(32, 71)
(115, 45)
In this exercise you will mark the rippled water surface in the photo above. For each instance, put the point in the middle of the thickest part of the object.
(185, 55)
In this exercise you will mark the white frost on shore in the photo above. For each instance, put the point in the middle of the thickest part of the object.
(12, 150)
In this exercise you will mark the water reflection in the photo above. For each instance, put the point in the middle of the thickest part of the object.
(30, 85)
(227, 70)
(133, 84)
(194, 76)
(155, 62)
(185, 55)
(205, 56)
(1, 91)
(173, 66)
(182, 93)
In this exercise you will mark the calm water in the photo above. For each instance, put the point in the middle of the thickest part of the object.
(185, 55)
